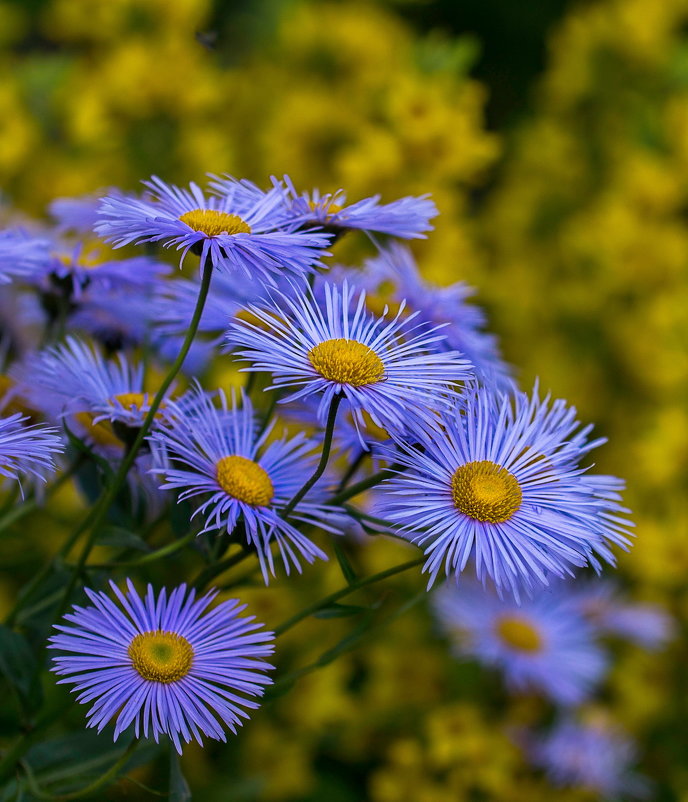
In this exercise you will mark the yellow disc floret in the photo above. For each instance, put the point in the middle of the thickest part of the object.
(347, 362)
(519, 633)
(485, 491)
(214, 223)
(245, 480)
(161, 656)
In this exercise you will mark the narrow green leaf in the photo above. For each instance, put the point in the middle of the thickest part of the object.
(118, 537)
(179, 788)
(17, 665)
(339, 611)
(344, 563)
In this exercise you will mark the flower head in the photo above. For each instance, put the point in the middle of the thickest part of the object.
(388, 369)
(393, 277)
(20, 254)
(27, 449)
(407, 218)
(165, 664)
(494, 479)
(216, 453)
(542, 645)
(243, 229)
(594, 756)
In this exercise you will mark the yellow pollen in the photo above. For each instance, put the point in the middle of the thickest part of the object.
(245, 480)
(347, 362)
(161, 656)
(100, 433)
(485, 491)
(213, 223)
(328, 209)
(520, 634)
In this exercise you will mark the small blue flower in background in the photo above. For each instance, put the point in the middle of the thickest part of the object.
(243, 230)
(602, 603)
(494, 480)
(543, 645)
(388, 369)
(27, 450)
(407, 218)
(78, 215)
(167, 665)
(82, 380)
(393, 276)
(594, 756)
(20, 254)
(217, 453)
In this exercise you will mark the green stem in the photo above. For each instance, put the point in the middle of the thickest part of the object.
(339, 594)
(327, 445)
(220, 567)
(88, 790)
(151, 557)
(364, 484)
(351, 470)
(107, 499)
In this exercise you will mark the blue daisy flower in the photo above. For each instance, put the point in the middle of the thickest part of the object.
(602, 603)
(78, 215)
(217, 453)
(167, 665)
(407, 218)
(20, 254)
(596, 757)
(388, 369)
(240, 231)
(493, 480)
(27, 450)
(543, 645)
(393, 277)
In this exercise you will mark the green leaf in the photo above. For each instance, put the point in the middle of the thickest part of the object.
(339, 611)
(179, 788)
(18, 666)
(344, 563)
(118, 537)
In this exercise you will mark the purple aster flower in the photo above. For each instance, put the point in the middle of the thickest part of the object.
(78, 215)
(242, 230)
(20, 254)
(167, 665)
(495, 481)
(80, 379)
(542, 645)
(385, 368)
(245, 478)
(596, 757)
(393, 277)
(602, 603)
(407, 218)
(27, 450)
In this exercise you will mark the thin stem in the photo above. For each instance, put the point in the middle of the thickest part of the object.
(324, 457)
(88, 790)
(218, 568)
(339, 594)
(351, 470)
(107, 499)
(364, 484)
(153, 556)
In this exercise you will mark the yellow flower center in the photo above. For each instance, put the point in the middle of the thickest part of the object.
(518, 633)
(485, 491)
(328, 209)
(100, 433)
(347, 362)
(161, 656)
(213, 223)
(245, 480)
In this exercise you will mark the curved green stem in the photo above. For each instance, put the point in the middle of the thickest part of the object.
(220, 567)
(364, 484)
(325, 456)
(107, 499)
(153, 556)
(339, 594)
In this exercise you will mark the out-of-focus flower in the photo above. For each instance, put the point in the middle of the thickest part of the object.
(217, 453)
(387, 368)
(167, 665)
(495, 480)
(20, 253)
(543, 645)
(593, 756)
(242, 230)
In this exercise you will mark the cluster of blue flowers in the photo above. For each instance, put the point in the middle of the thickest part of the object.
(398, 392)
